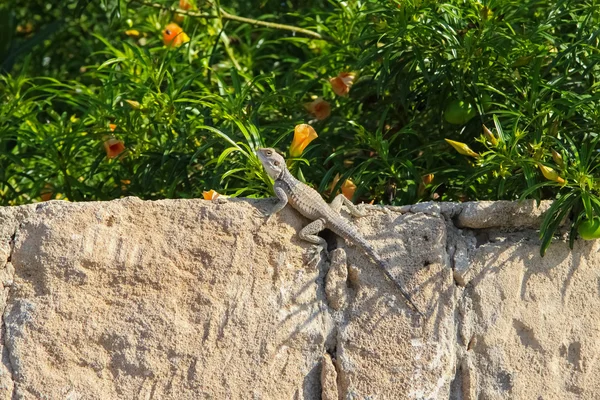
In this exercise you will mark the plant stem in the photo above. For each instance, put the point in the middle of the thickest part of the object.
(228, 16)
(274, 25)
(194, 14)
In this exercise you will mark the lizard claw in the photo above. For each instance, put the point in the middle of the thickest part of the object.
(361, 210)
(268, 217)
(316, 254)
(259, 214)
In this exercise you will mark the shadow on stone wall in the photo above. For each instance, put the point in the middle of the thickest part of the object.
(189, 299)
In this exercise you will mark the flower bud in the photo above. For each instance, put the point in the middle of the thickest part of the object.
(462, 148)
(558, 158)
(490, 136)
(551, 174)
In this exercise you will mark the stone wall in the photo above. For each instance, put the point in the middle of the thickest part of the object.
(190, 299)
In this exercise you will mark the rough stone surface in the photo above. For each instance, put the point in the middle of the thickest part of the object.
(531, 324)
(380, 343)
(10, 218)
(190, 299)
(329, 379)
(336, 284)
(162, 300)
(501, 214)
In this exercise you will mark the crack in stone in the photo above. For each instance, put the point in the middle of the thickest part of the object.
(329, 377)
(331, 342)
(322, 265)
(7, 360)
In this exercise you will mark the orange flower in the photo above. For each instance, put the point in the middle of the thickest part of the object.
(341, 84)
(319, 108)
(112, 127)
(348, 187)
(210, 195)
(47, 192)
(113, 147)
(173, 35)
(303, 135)
(25, 29)
(427, 179)
(183, 5)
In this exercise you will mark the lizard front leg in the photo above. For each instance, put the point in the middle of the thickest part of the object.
(283, 200)
(340, 200)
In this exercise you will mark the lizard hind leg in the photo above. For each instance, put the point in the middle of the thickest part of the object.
(341, 200)
(309, 234)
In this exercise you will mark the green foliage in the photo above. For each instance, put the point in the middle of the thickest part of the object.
(191, 116)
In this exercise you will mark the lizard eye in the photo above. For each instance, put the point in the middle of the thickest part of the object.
(268, 152)
(276, 163)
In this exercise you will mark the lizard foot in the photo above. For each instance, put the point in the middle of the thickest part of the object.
(315, 254)
(264, 215)
(220, 199)
(268, 218)
(258, 214)
(361, 211)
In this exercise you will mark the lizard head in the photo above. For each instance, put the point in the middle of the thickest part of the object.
(273, 163)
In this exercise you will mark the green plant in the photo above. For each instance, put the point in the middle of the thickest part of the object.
(95, 106)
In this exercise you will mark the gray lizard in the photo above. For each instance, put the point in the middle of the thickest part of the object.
(309, 203)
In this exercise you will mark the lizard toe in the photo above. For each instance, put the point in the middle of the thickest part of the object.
(315, 254)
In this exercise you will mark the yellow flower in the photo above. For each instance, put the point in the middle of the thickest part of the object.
(210, 195)
(341, 84)
(551, 174)
(489, 136)
(319, 108)
(132, 32)
(303, 135)
(462, 148)
(134, 104)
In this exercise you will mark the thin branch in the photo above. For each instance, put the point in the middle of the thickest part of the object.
(226, 15)
(274, 25)
(194, 14)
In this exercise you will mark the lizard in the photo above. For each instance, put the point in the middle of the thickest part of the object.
(311, 205)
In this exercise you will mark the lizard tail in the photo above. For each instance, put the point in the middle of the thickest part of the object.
(385, 268)
(349, 232)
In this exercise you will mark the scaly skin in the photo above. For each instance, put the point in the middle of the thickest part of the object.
(310, 204)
